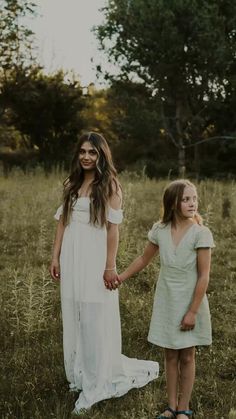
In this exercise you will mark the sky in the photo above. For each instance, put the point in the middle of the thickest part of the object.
(64, 38)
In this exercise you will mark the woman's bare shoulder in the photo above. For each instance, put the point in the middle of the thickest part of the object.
(115, 200)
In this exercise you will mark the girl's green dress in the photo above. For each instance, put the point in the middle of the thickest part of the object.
(175, 288)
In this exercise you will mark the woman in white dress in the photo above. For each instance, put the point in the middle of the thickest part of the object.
(84, 257)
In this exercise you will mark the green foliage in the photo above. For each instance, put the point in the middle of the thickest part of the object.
(16, 43)
(97, 115)
(173, 44)
(185, 52)
(130, 118)
(134, 120)
(33, 383)
(47, 111)
(15, 37)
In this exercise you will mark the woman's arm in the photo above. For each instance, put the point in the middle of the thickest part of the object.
(203, 269)
(140, 262)
(55, 265)
(110, 274)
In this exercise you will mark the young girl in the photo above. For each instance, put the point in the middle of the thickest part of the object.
(84, 254)
(180, 318)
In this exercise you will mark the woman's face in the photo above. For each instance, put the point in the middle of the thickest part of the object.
(88, 156)
(189, 202)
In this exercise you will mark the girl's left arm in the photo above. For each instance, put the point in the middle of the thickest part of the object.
(203, 269)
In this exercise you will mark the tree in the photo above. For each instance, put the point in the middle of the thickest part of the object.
(47, 111)
(135, 121)
(96, 112)
(16, 42)
(15, 37)
(126, 114)
(184, 50)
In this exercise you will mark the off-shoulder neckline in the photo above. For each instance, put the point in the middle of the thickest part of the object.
(87, 197)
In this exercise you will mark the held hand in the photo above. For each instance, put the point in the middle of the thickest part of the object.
(188, 321)
(111, 280)
(120, 278)
(55, 270)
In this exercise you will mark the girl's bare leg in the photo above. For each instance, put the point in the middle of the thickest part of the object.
(172, 378)
(187, 377)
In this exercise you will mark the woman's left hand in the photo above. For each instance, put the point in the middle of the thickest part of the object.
(188, 321)
(111, 279)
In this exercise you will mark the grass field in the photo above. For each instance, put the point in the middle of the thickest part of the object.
(33, 384)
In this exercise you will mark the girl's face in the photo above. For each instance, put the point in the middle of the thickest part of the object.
(88, 156)
(189, 202)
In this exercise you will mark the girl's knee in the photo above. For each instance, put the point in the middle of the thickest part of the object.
(187, 355)
(171, 355)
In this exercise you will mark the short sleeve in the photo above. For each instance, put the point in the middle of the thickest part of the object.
(204, 238)
(115, 216)
(58, 213)
(153, 234)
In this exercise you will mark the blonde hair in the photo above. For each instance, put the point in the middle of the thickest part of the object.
(172, 197)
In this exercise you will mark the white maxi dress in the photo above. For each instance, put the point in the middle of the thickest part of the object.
(90, 314)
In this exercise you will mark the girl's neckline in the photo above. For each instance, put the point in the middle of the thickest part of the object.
(182, 238)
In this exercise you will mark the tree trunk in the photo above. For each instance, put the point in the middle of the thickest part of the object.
(181, 160)
(196, 161)
(181, 154)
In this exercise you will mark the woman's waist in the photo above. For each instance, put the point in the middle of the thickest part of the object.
(80, 216)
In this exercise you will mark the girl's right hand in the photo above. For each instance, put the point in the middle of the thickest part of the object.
(55, 270)
(119, 278)
(188, 321)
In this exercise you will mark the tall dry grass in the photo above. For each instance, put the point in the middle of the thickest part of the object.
(33, 384)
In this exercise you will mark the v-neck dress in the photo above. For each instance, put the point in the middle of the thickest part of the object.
(90, 314)
(175, 287)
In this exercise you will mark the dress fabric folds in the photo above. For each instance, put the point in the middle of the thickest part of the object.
(93, 360)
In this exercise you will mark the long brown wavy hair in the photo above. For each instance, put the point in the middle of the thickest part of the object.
(172, 197)
(104, 185)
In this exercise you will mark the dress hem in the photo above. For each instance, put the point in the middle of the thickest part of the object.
(188, 345)
(134, 383)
